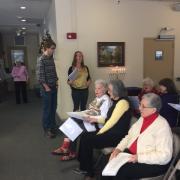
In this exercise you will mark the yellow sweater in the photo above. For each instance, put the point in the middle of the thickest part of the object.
(81, 80)
(121, 107)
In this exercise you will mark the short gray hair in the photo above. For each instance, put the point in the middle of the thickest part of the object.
(119, 89)
(153, 100)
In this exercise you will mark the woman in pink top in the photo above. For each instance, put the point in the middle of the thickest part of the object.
(20, 76)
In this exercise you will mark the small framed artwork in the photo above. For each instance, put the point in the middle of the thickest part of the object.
(110, 54)
(158, 55)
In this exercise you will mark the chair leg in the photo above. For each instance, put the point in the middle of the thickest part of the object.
(177, 166)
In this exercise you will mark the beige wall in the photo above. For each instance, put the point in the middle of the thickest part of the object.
(104, 20)
(50, 21)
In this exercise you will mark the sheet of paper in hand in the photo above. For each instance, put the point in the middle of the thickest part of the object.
(73, 75)
(79, 115)
(71, 129)
(175, 106)
(115, 164)
(89, 127)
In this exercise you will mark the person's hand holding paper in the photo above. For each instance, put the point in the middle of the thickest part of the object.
(73, 75)
(91, 119)
(114, 154)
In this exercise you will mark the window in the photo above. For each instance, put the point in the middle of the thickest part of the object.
(159, 55)
(17, 55)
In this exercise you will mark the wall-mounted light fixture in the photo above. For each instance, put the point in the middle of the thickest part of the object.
(165, 29)
(164, 33)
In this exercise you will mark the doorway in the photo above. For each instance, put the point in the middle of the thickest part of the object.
(158, 59)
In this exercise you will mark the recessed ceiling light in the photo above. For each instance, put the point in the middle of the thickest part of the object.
(24, 28)
(23, 20)
(23, 7)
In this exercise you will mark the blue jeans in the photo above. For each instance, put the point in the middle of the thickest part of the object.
(49, 109)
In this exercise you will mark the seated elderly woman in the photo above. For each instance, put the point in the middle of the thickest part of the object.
(148, 87)
(149, 141)
(115, 127)
(98, 109)
(168, 94)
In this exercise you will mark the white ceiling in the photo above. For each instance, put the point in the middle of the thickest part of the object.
(10, 10)
(36, 10)
(164, 0)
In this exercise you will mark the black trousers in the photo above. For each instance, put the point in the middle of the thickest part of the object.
(20, 88)
(90, 141)
(73, 144)
(131, 171)
(80, 97)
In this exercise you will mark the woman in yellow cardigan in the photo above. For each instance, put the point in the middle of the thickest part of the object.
(115, 127)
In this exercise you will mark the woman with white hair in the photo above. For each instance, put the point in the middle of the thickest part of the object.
(20, 77)
(97, 111)
(148, 87)
(149, 141)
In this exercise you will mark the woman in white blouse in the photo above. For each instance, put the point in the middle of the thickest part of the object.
(97, 111)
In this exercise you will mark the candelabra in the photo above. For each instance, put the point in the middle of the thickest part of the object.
(117, 73)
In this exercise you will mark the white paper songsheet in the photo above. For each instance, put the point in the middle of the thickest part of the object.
(175, 106)
(71, 129)
(89, 127)
(115, 164)
(73, 75)
(79, 115)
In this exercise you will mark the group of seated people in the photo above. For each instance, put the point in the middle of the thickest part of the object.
(167, 91)
(149, 140)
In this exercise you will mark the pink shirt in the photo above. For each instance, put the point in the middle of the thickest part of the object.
(19, 73)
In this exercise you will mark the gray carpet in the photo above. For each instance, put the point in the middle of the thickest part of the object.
(24, 150)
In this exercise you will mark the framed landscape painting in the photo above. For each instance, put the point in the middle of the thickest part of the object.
(111, 54)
